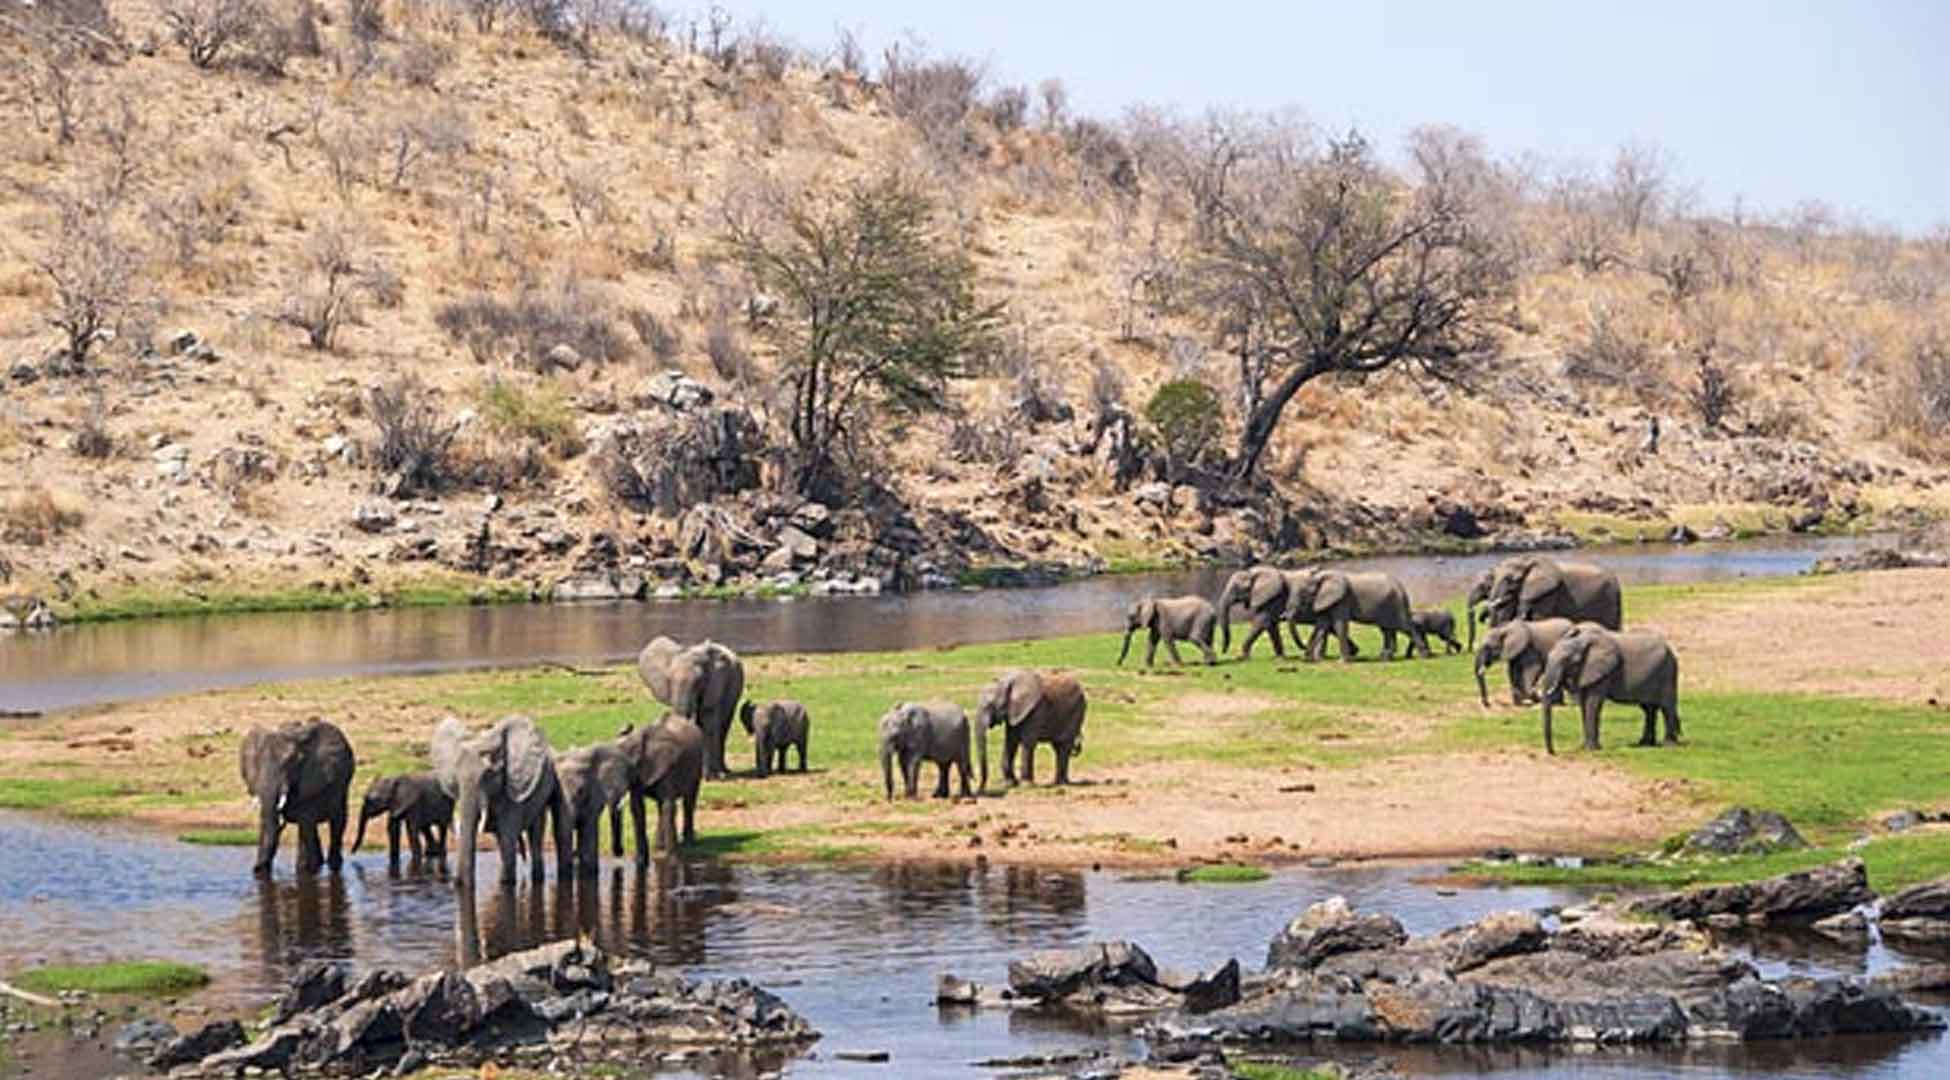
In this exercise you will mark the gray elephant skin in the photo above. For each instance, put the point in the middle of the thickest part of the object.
(505, 772)
(300, 773)
(1535, 587)
(1635, 667)
(1523, 648)
(1476, 603)
(412, 803)
(1172, 619)
(1266, 592)
(1438, 623)
(912, 733)
(595, 779)
(667, 767)
(1336, 599)
(702, 681)
(1030, 707)
(775, 727)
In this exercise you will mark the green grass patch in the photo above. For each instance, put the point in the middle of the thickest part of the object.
(220, 837)
(542, 414)
(1266, 1070)
(23, 793)
(149, 978)
(1224, 874)
(166, 601)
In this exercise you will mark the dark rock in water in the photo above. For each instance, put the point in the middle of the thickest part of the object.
(1057, 973)
(953, 991)
(209, 1039)
(315, 983)
(139, 1037)
(273, 1051)
(1914, 977)
(1328, 929)
(1849, 928)
(1803, 895)
(1204, 991)
(436, 1009)
(1741, 831)
(1918, 913)
(870, 1056)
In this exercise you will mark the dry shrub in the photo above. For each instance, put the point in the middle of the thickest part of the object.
(415, 443)
(1614, 351)
(91, 435)
(1917, 402)
(662, 338)
(36, 517)
(729, 357)
(524, 330)
(541, 414)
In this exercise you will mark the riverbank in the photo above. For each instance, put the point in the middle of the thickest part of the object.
(1256, 762)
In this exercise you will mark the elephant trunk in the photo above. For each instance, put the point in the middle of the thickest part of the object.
(270, 818)
(1225, 620)
(982, 752)
(1483, 659)
(1552, 685)
(469, 814)
(1469, 616)
(1548, 747)
(365, 815)
(1126, 650)
(887, 764)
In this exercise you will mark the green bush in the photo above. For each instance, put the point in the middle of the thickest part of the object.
(1188, 418)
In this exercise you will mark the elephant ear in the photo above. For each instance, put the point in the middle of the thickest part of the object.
(1267, 586)
(653, 666)
(1025, 691)
(1147, 612)
(525, 754)
(612, 777)
(1545, 577)
(1332, 590)
(449, 739)
(1516, 638)
(1601, 658)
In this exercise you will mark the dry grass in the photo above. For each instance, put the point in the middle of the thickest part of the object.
(36, 517)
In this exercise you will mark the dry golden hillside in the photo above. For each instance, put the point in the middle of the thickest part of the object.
(529, 227)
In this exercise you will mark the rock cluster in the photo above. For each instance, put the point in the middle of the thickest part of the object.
(1803, 896)
(25, 613)
(1741, 831)
(565, 998)
(1102, 978)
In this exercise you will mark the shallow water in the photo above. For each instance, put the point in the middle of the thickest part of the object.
(106, 662)
(856, 949)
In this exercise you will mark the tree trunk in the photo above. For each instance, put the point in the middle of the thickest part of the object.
(1266, 419)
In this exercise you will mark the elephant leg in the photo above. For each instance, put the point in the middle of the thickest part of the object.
(1028, 759)
(311, 857)
(393, 826)
(412, 841)
(1151, 648)
(642, 831)
(802, 755)
(941, 784)
(336, 823)
(1671, 709)
(690, 817)
(1650, 735)
(1010, 741)
(1205, 646)
(666, 823)
(911, 770)
(1246, 646)
(1317, 642)
(1171, 646)
(1593, 704)
(1420, 642)
(1062, 761)
(589, 836)
(537, 829)
(1347, 642)
(967, 791)
(1273, 634)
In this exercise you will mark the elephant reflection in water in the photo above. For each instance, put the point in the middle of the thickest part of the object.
(1009, 892)
(927, 889)
(305, 918)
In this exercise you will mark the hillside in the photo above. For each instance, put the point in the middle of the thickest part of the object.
(531, 227)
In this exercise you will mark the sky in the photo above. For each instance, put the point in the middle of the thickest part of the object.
(1773, 104)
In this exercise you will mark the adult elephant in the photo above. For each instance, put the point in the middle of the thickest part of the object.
(412, 803)
(300, 773)
(1637, 667)
(1523, 648)
(666, 766)
(508, 774)
(1336, 598)
(1476, 601)
(1031, 707)
(594, 779)
(703, 682)
(1535, 587)
(1174, 619)
(1266, 592)
(916, 733)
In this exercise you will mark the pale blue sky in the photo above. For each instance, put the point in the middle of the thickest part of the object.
(1777, 103)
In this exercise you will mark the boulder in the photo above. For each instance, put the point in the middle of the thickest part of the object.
(956, 991)
(802, 547)
(561, 356)
(373, 517)
(814, 519)
(1204, 991)
(1157, 494)
(142, 1036)
(673, 390)
(1918, 913)
(316, 982)
(1503, 933)
(1914, 978)
(1902, 821)
(1741, 831)
(1849, 928)
(1329, 928)
(211, 1038)
(1803, 895)
(599, 586)
(1057, 973)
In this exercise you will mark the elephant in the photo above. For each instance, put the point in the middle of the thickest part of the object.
(1031, 707)
(1534, 587)
(776, 727)
(934, 731)
(505, 772)
(594, 779)
(1175, 619)
(1336, 598)
(666, 761)
(1523, 646)
(413, 803)
(703, 682)
(300, 773)
(1637, 667)
(1437, 623)
(1476, 601)
(1266, 591)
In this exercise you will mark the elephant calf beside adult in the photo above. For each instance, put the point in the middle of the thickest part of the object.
(595, 779)
(508, 774)
(1334, 599)
(775, 727)
(300, 773)
(916, 733)
(702, 681)
(1266, 592)
(1636, 667)
(1031, 707)
(413, 803)
(1523, 647)
(1535, 587)
(1173, 619)
(666, 761)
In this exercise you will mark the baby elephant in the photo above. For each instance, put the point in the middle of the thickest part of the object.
(774, 727)
(1636, 667)
(413, 803)
(1437, 623)
(936, 731)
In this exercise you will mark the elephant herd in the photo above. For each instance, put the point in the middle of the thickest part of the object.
(508, 781)
(1557, 626)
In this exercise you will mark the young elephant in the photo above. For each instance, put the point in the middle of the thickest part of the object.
(936, 731)
(1175, 619)
(778, 726)
(412, 803)
(667, 761)
(594, 779)
(1031, 707)
(1336, 599)
(300, 774)
(1437, 623)
(1637, 667)
(1522, 646)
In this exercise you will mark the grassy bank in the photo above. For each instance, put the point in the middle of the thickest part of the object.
(149, 601)
(147, 978)
(1893, 862)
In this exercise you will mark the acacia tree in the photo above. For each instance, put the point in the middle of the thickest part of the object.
(1337, 265)
(877, 309)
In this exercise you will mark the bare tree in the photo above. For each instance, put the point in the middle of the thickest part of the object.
(1358, 271)
(1056, 103)
(1641, 182)
(92, 271)
(330, 284)
(207, 28)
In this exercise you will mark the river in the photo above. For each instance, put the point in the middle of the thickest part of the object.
(100, 663)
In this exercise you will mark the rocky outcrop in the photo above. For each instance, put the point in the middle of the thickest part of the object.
(25, 613)
(1741, 831)
(1918, 913)
(1506, 979)
(1328, 929)
(1805, 895)
(1880, 558)
(598, 586)
(565, 998)
(1108, 977)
